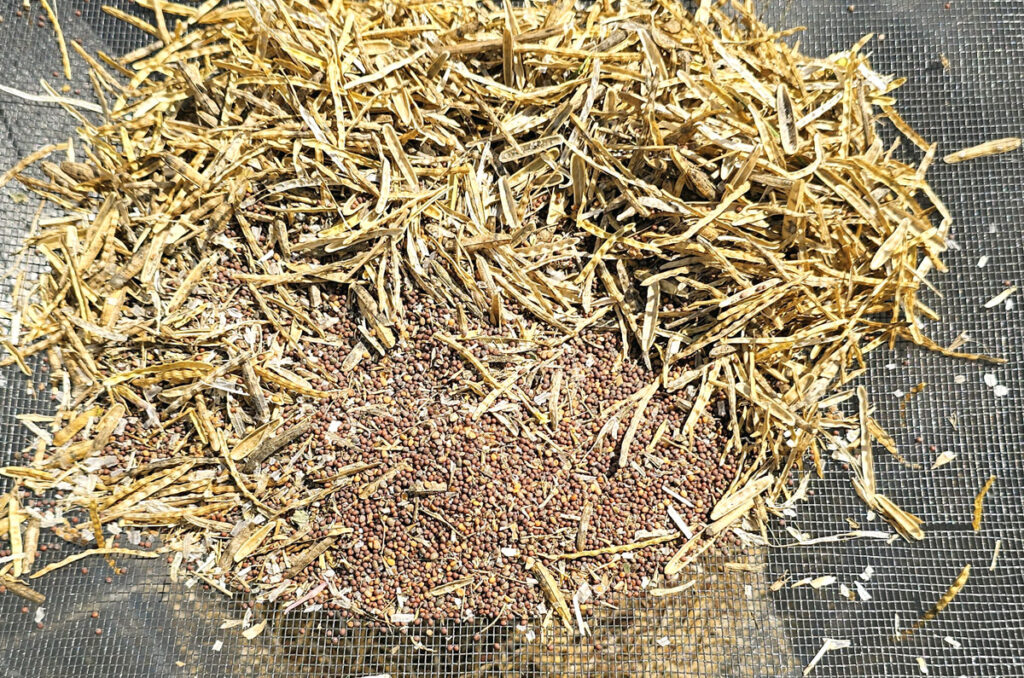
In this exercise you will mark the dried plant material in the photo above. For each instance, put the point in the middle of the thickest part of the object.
(131, 553)
(300, 562)
(634, 423)
(620, 548)
(97, 529)
(26, 473)
(320, 266)
(979, 500)
(78, 104)
(904, 128)
(271, 444)
(995, 555)
(828, 645)
(554, 399)
(915, 390)
(786, 119)
(30, 544)
(581, 532)
(22, 591)
(450, 587)
(370, 488)
(944, 458)
(14, 520)
(426, 487)
(867, 460)
(744, 497)
(688, 553)
(52, 16)
(679, 522)
(1001, 297)
(17, 358)
(994, 147)
(254, 630)
(253, 541)
(821, 582)
(549, 585)
(672, 590)
(74, 426)
(243, 534)
(30, 159)
(942, 604)
(729, 519)
(755, 568)
(906, 523)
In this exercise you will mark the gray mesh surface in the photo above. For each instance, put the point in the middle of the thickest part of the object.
(728, 625)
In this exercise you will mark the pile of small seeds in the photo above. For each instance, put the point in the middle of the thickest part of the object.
(493, 490)
(443, 310)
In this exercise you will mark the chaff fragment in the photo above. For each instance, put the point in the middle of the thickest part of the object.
(22, 591)
(109, 551)
(994, 147)
(60, 37)
(619, 548)
(979, 500)
(554, 595)
(956, 587)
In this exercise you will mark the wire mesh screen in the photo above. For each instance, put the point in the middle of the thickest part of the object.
(965, 64)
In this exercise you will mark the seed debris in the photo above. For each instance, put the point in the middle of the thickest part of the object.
(942, 604)
(1001, 297)
(828, 645)
(979, 501)
(993, 147)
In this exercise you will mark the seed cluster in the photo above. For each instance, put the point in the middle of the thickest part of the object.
(513, 489)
